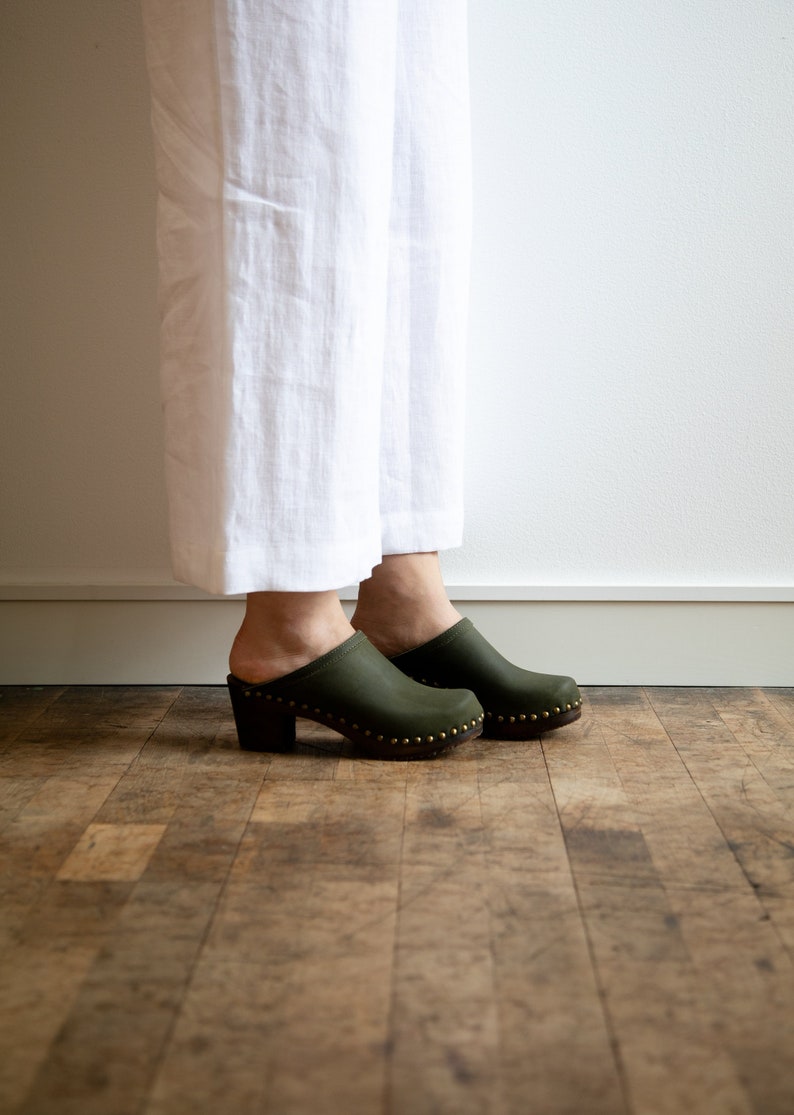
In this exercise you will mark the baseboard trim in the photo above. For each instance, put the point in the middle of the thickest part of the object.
(172, 590)
(130, 635)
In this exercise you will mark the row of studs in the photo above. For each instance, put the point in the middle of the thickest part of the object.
(522, 716)
(533, 715)
(379, 739)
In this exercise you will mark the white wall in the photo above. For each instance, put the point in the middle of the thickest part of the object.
(631, 400)
(632, 343)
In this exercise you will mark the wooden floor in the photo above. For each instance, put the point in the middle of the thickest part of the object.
(599, 922)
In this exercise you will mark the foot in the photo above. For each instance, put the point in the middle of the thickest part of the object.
(404, 603)
(283, 631)
(518, 704)
(357, 692)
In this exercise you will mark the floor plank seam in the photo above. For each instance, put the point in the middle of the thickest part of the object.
(612, 1035)
(387, 1089)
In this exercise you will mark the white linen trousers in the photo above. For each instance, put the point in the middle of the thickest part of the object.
(313, 170)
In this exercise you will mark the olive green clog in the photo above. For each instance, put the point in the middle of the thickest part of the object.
(359, 693)
(519, 704)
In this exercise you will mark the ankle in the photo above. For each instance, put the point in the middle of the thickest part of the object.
(282, 632)
(404, 603)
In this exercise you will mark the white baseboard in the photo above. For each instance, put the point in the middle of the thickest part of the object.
(167, 634)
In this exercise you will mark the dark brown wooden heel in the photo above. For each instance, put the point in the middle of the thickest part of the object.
(262, 725)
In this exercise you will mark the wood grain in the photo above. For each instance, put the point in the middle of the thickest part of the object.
(600, 921)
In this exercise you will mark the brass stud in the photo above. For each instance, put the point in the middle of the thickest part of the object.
(417, 739)
(567, 708)
(453, 731)
(556, 711)
(355, 727)
(342, 720)
(405, 742)
(367, 732)
(316, 710)
(329, 716)
(522, 716)
(430, 739)
(304, 707)
(489, 715)
(379, 739)
(533, 716)
(280, 700)
(292, 704)
(545, 716)
(442, 735)
(500, 719)
(512, 719)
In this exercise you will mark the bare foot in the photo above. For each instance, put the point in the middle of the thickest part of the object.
(404, 603)
(283, 631)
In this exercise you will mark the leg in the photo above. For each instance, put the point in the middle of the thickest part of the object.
(404, 603)
(283, 631)
(273, 125)
(403, 606)
(423, 403)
